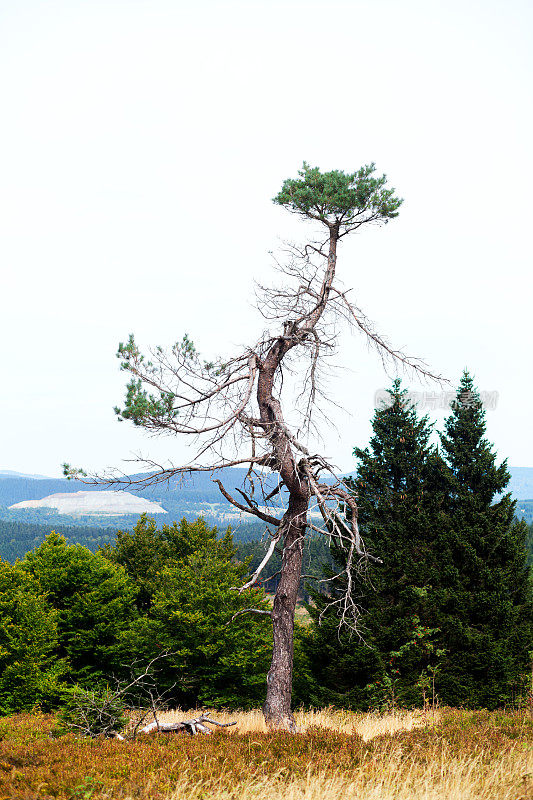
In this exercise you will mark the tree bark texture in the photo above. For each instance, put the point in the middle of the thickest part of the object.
(277, 708)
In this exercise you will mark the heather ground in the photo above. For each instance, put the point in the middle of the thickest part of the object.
(454, 754)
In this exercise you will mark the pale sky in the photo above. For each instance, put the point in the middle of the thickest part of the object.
(141, 144)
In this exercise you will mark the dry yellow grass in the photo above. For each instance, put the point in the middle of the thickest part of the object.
(366, 725)
(394, 774)
(398, 778)
(452, 755)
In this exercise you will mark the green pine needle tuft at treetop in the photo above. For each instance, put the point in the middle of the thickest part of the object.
(338, 198)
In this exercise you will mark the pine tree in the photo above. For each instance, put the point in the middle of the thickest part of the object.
(400, 487)
(486, 619)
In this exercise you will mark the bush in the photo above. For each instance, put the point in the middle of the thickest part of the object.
(94, 601)
(92, 713)
(29, 671)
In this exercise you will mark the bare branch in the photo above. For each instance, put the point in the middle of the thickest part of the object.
(269, 553)
(251, 509)
(249, 611)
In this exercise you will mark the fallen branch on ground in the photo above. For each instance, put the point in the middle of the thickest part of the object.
(190, 726)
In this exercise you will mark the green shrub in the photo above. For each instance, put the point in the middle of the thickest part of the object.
(29, 671)
(92, 713)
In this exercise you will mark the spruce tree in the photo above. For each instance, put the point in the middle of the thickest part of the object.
(449, 611)
(400, 488)
(486, 616)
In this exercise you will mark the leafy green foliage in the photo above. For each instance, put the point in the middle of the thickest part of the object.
(29, 671)
(383, 693)
(144, 551)
(186, 579)
(91, 614)
(346, 199)
(141, 552)
(94, 600)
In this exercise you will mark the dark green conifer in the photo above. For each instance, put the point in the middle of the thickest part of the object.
(486, 616)
(449, 611)
(400, 490)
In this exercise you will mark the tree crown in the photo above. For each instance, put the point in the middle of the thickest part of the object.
(469, 454)
(336, 198)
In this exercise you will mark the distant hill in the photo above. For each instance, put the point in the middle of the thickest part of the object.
(524, 510)
(192, 495)
(189, 497)
(521, 483)
(192, 488)
(22, 529)
(8, 473)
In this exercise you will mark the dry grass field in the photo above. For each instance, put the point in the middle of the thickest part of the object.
(451, 755)
(365, 725)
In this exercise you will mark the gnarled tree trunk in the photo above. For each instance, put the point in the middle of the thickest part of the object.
(277, 708)
(291, 532)
(213, 402)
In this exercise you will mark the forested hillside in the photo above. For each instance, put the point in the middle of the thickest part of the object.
(17, 538)
(524, 510)
(189, 498)
(197, 488)
(192, 496)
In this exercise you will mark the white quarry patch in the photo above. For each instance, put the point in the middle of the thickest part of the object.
(94, 504)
